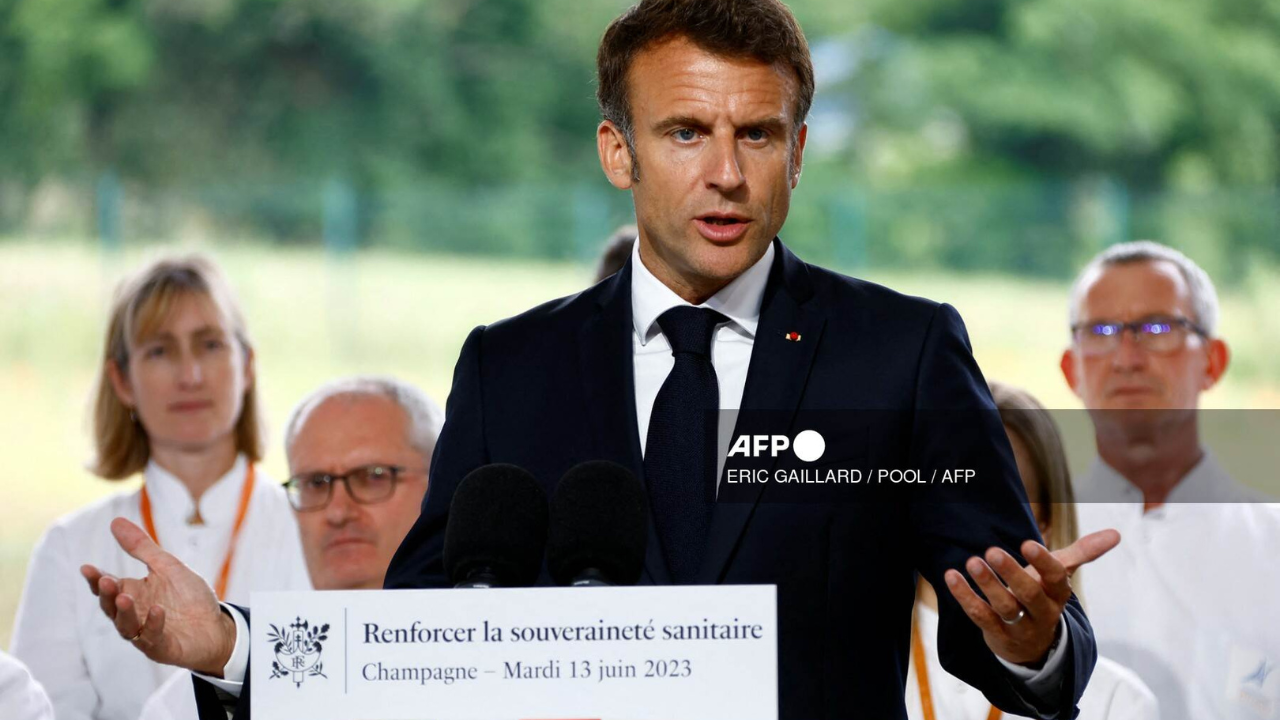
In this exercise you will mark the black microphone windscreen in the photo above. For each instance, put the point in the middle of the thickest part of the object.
(599, 521)
(497, 523)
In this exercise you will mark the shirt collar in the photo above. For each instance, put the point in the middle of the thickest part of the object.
(739, 301)
(1207, 482)
(172, 500)
(1104, 484)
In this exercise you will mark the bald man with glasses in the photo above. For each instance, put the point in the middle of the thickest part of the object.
(1189, 598)
(373, 436)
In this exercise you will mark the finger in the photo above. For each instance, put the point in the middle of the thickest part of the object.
(135, 541)
(92, 575)
(1026, 589)
(152, 636)
(127, 621)
(1087, 549)
(1053, 574)
(998, 596)
(108, 589)
(975, 607)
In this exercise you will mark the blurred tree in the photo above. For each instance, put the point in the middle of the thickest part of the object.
(1177, 98)
(180, 90)
(973, 130)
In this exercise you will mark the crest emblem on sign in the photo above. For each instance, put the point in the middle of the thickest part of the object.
(297, 650)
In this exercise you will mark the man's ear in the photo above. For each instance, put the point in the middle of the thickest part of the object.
(615, 155)
(1219, 358)
(797, 155)
(1068, 366)
(120, 384)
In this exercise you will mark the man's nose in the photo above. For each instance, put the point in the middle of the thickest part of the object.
(341, 508)
(1129, 354)
(725, 172)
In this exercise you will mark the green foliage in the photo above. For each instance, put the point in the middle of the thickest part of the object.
(1018, 134)
(1028, 133)
(182, 91)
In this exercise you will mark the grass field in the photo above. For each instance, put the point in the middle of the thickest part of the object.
(314, 317)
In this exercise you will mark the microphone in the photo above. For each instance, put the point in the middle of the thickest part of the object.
(599, 526)
(497, 529)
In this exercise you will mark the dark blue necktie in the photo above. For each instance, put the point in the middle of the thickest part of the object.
(679, 455)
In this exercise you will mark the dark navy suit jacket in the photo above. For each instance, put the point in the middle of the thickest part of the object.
(554, 387)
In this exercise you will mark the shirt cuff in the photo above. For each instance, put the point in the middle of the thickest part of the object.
(234, 671)
(1043, 682)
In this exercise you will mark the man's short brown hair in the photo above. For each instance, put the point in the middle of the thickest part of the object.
(764, 30)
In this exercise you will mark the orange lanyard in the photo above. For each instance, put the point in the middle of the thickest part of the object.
(921, 665)
(245, 493)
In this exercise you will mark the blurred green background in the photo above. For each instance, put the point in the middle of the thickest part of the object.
(379, 176)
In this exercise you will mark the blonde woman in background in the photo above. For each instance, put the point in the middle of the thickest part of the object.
(1114, 692)
(177, 402)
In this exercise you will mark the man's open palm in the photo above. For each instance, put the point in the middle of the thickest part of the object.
(171, 615)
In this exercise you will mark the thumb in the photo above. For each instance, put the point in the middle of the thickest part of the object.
(1087, 549)
(135, 541)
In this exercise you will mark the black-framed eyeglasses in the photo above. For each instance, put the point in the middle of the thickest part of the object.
(367, 485)
(1156, 334)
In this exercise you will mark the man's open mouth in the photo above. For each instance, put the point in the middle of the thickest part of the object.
(722, 220)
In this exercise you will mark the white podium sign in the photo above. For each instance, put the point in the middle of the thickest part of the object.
(628, 653)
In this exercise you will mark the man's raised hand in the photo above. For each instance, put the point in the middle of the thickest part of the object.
(1019, 617)
(171, 615)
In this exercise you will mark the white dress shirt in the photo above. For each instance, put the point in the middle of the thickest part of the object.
(739, 301)
(61, 633)
(1114, 692)
(1189, 599)
(731, 346)
(21, 697)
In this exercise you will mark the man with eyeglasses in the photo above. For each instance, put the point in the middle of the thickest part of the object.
(372, 436)
(1188, 599)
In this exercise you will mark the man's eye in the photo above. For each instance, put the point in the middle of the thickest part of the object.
(757, 134)
(154, 351)
(214, 344)
(686, 135)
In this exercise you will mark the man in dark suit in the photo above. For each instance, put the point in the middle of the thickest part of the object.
(704, 106)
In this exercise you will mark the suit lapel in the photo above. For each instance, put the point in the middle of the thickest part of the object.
(608, 374)
(775, 381)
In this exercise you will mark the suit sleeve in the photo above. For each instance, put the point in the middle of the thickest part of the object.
(956, 426)
(419, 563)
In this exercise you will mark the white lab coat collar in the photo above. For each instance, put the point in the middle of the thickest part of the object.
(171, 499)
(1207, 482)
